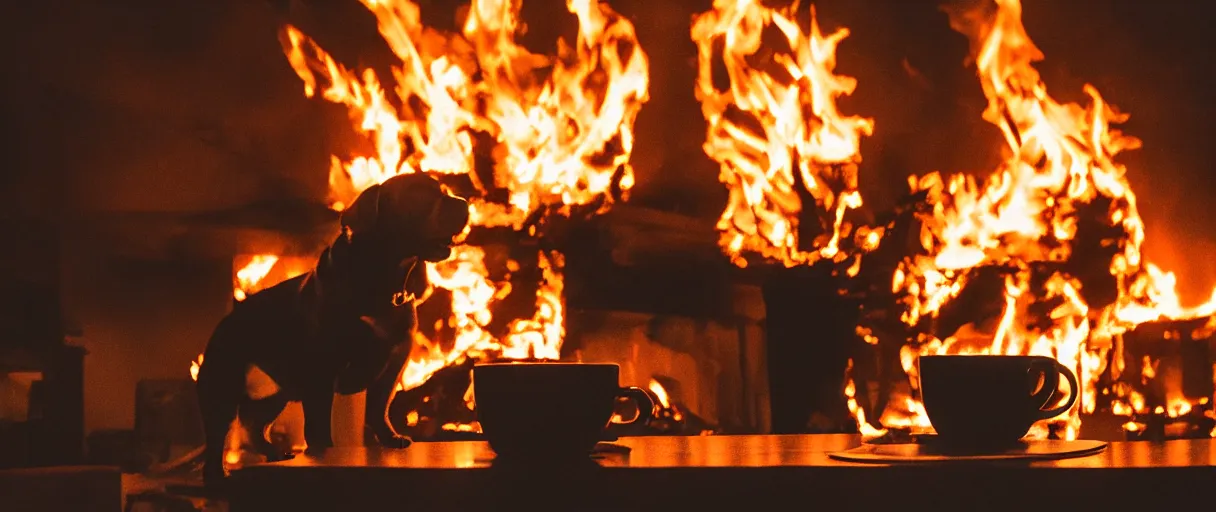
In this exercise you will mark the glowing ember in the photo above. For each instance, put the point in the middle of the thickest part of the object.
(774, 130)
(562, 125)
(1059, 178)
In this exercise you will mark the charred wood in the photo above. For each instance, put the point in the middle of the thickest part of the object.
(811, 327)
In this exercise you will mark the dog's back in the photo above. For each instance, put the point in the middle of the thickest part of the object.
(263, 330)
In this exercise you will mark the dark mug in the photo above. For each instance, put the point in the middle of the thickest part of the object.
(982, 400)
(550, 409)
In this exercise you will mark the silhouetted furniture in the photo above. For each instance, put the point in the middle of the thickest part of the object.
(759, 472)
(54, 429)
(33, 339)
(167, 417)
(810, 330)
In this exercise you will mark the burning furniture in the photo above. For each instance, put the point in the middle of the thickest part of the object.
(789, 160)
(1166, 384)
(1042, 257)
(1046, 256)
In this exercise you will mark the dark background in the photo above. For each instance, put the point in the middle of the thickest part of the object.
(138, 109)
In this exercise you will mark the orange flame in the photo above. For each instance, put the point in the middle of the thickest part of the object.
(664, 405)
(774, 125)
(561, 141)
(866, 430)
(473, 294)
(1060, 163)
(563, 128)
(249, 277)
(194, 367)
(659, 392)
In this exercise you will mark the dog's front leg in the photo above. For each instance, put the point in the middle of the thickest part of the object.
(380, 396)
(318, 411)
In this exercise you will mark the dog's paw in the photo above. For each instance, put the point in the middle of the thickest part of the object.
(395, 441)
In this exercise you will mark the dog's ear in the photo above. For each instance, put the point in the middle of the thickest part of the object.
(363, 215)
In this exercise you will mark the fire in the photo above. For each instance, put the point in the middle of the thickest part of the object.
(237, 436)
(563, 139)
(250, 276)
(1058, 186)
(562, 128)
(194, 366)
(776, 133)
(660, 393)
(541, 336)
(664, 405)
(866, 430)
(473, 295)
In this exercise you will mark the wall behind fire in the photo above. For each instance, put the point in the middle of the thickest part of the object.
(143, 318)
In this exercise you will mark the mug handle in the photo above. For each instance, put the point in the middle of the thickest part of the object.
(643, 401)
(1052, 370)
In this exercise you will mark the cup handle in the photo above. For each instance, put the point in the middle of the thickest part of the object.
(1045, 368)
(1056, 369)
(642, 399)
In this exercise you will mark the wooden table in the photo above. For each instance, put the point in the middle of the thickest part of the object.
(740, 473)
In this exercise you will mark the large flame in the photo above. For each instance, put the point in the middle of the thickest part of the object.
(1059, 178)
(473, 294)
(774, 129)
(563, 132)
(564, 124)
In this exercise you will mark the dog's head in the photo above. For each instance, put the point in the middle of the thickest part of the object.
(408, 216)
(395, 226)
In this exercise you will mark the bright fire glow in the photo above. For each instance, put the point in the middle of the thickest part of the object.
(194, 366)
(659, 392)
(774, 129)
(562, 128)
(250, 276)
(1058, 179)
(665, 405)
(472, 297)
(564, 124)
(260, 271)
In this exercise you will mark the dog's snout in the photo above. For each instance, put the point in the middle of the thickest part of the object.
(453, 214)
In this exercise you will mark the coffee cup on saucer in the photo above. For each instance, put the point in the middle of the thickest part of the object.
(550, 410)
(987, 401)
